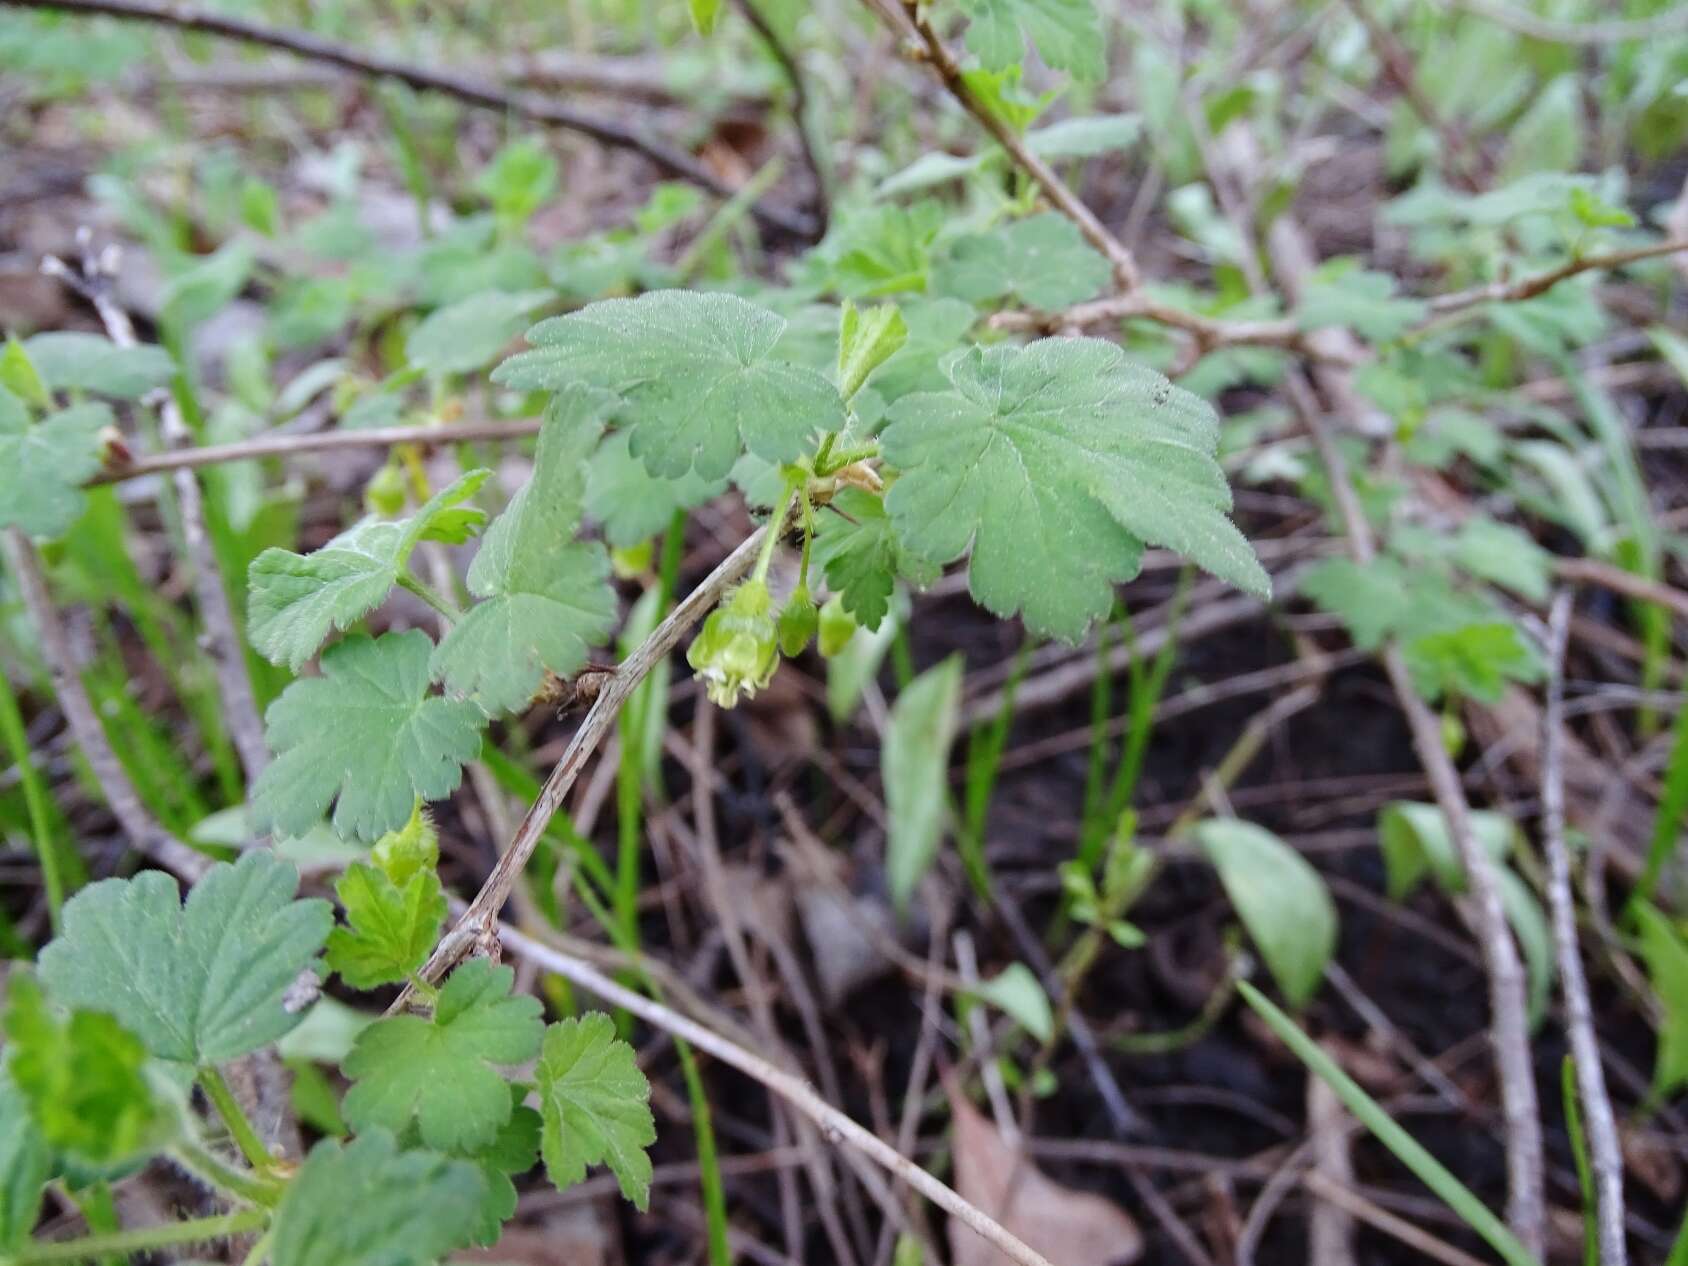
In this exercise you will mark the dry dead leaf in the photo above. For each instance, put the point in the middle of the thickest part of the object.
(1072, 1228)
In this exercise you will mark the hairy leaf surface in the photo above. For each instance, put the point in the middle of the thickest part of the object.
(596, 1106)
(200, 982)
(863, 557)
(1068, 33)
(1057, 462)
(439, 1072)
(390, 928)
(296, 600)
(695, 377)
(1042, 261)
(370, 1204)
(42, 464)
(368, 733)
(546, 597)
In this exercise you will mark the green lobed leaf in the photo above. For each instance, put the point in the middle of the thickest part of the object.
(365, 736)
(1475, 661)
(1362, 300)
(513, 1151)
(1057, 462)
(196, 294)
(632, 504)
(546, 597)
(82, 1078)
(296, 600)
(1504, 555)
(862, 555)
(25, 1163)
(390, 928)
(74, 361)
(368, 1203)
(885, 250)
(1043, 262)
(1067, 33)
(440, 1072)
(42, 464)
(471, 332)
(1281, 899)
(595, 1104)
(914, 763)
(695, 376)
(200, 982)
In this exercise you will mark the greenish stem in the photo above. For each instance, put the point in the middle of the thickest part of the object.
(838, 461)
(260, 1250)
(143, 1239)
(35, 800)
(205, 1163)
(766, 558)
(240, 1127)
(422, 591)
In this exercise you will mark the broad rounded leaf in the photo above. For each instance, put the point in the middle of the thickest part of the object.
(296, 600)
(695, 375)
(1042, 261)
(42, 464)
(632, 504)
(439, 1072)
(370, 1204)
(74, 361)
(1280, 898)
(1068, 33)
(368, 733)
(595, 1104)
(467, 334)
(1056, 462)
(200, 982)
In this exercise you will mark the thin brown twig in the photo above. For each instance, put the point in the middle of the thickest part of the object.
(932, 50)
(149, 838)
(465, 88)
(311, 442)
(799, 106)
(1211, 333)
(1397, 63)
(481, 917)
(1672, 21)
(1509, 1026)
(1539, 283)
(222, 640)
(838, 1129)
(1605, 1153)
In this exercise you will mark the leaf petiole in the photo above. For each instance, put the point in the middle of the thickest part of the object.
(240, 1126)
(204, 1163)
(422, 591)
(143, 1239)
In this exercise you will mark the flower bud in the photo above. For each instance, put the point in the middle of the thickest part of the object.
(738, 649)
(384, 494)
(837, 626)
(798, 621)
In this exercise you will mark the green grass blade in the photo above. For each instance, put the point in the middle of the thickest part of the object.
(1579, 1153)
(1430, 1171)
(42, 835)
(1672, 806)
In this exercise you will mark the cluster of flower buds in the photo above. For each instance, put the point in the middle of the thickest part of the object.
(742, 640)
